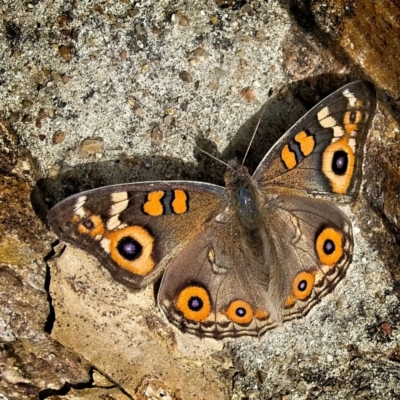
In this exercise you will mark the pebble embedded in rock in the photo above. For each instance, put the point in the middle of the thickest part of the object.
(248, 94)
(58, 137)
(65, 53)
(156, 135)
(185, 76)
(214, 20)
(183, 20)
(90, 147)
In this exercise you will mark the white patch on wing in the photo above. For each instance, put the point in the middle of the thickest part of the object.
(120, 196)
(113, 222)
(326, 121)
(351, 97)
(78, 208)
(117, 208)
(323, 114)
(121, 202)
(105, 244)
(352, 144)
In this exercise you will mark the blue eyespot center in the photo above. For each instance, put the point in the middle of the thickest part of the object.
(302, 285)
(353, 117)
(329, 246)
(340, 162)
(240, 312)
(195, 303)
(129, 248)
(88, 224)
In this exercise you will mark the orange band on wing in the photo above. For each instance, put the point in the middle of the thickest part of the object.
(261, 314)
(288, 157)
(290, 300)
(306, 142)
(153, 205)
(179, 204)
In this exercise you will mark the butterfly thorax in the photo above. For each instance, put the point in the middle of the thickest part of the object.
(242, 195)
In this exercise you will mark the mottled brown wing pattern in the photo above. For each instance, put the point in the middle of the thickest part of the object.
(213, 288)
(316, 250)
(208, 289)
(321, 155)
(136, 229)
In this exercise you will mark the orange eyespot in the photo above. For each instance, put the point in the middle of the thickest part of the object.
(240, 312)
(303, 284)
(329, 246)
(338, 165)
(93, 226)
(131, 248)
(194, 302)
(351, 120)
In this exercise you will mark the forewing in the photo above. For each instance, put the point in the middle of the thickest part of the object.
(136, 229)
(321, 155)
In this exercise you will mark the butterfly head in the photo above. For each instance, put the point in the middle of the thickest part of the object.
(237, 176)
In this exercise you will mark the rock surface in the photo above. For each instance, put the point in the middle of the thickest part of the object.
(116, 91)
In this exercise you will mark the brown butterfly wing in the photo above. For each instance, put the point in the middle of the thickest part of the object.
(311, 256)
(215, 288)
(321, 155)
(136, 229)
(215, 284)
(209, 288)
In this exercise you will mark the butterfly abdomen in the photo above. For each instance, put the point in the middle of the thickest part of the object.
(245, 206)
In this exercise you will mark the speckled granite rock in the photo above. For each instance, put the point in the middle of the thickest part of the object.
(30, 360)
(112, 92)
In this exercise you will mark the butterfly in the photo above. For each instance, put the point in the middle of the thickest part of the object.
(242, 259)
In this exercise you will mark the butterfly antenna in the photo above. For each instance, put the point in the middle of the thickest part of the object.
(210, 155)
(254, 134)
